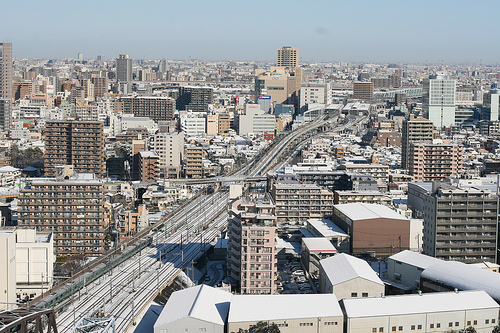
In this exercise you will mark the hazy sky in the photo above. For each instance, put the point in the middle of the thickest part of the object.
(455, 31)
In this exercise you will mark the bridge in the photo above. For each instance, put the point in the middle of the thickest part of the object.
(410, 93)
(26, 320)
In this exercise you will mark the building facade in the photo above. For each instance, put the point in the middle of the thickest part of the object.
(195, 99)
(156, 108)
(6, 71)
(77, 143)
(287, 57)
(170, 149)
(72, 209)
(362, 90)
(438, 101)
(419, 130)
(194, 162)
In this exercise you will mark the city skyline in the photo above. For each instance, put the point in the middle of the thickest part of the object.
(380, 32)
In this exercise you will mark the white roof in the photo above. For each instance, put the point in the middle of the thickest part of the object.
(246, 308)
(327, 228)
(343, 267)
(415, 259)
(201, 302)
(363, 211)
(8, 168)
(318, 244)
(413, 304)
(464, 277)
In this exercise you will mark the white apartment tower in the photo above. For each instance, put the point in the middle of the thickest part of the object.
(439, 99)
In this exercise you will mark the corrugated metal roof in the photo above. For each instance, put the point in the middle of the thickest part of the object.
(327, 228)
(202, 302)
(413, 304)
(281, 307)
(415, 259)
(343, 267)
(363, 211)
(464, 277)
(317, 244)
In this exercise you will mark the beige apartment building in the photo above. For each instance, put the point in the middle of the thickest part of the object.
(252, 261)
(170, 149)
(281, 83)
(73, 209)
(435, 161)
(299, 202)
(362, 90)
(194, 162)
(77, 143)
(155, 107)
(149, 163)
(415, 130)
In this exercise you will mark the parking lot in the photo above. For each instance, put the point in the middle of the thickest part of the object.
(293, 278)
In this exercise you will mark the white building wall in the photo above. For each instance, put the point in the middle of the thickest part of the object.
(297, 325)
(358, 286)
(7, 269)
(189, 325)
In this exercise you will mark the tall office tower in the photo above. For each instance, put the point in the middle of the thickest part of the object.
(252, 254)
(124, 68)
(170, 148)
(80, 56)
(438, 101)
(282, 84)
(287, 57)
(101, 58)
(460, 223)
(362, 90)
(100, 86)
(72, 207)
(77, 143)
(6, 71)
(162, 69)
(419, 130)
(5, 115)
(156, 108)
(195, 98)
(435, 161)
(491, 104)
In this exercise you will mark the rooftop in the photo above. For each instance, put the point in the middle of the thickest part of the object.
(364, 211)
(327, 228)
(343, 267)
(246, 308)
(415, 259)
(318, 244)
(414, 304)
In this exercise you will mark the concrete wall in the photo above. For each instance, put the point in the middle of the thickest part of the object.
(319, 325)
(358, 286)
(7, 269)
(188, 324)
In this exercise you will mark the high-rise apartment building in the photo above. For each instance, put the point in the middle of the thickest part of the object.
(459, 223)
(22, 89)
(194, 162)
(224, 122)
(77, 143)
(124, 68)
(314, 92)
(149, 162)
(435, 161)
(73, 209)
(155, 107)
(170, 149)
(438, 101)
(195, 99)
(419, 130)
(252, 254)
(362, 90)
(5, 114)
(287, 57)
(100, 86)
(491, 105)
(6, 71)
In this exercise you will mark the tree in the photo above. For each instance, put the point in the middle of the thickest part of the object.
(262, 327)
(496, 329)
(470, 329)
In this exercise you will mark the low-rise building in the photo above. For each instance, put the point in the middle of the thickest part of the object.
(349, 277)
(329, 230)
(315, 249)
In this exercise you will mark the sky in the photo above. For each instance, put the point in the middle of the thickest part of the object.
(379, 31)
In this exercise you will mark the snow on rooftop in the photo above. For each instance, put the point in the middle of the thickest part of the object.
(415, 259)
(246, 308)
(318, 244)
(202, 302)
(415, 304)
(327, 228)
(363, 211)
(343, 267)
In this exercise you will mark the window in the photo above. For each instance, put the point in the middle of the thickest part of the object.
(306, 324)
(400, 328)
(487, 321)
(475, 322)
(354, 294)
(412, 327)
(457, 323)
(468, 322)
(330, 323)
(450, 324)
(202, 329)
(394, 328)
(365, 294)
(493, 321)
(380, 329)
(419, 327)
(374, 330)
(438, 325)
(432, 325)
